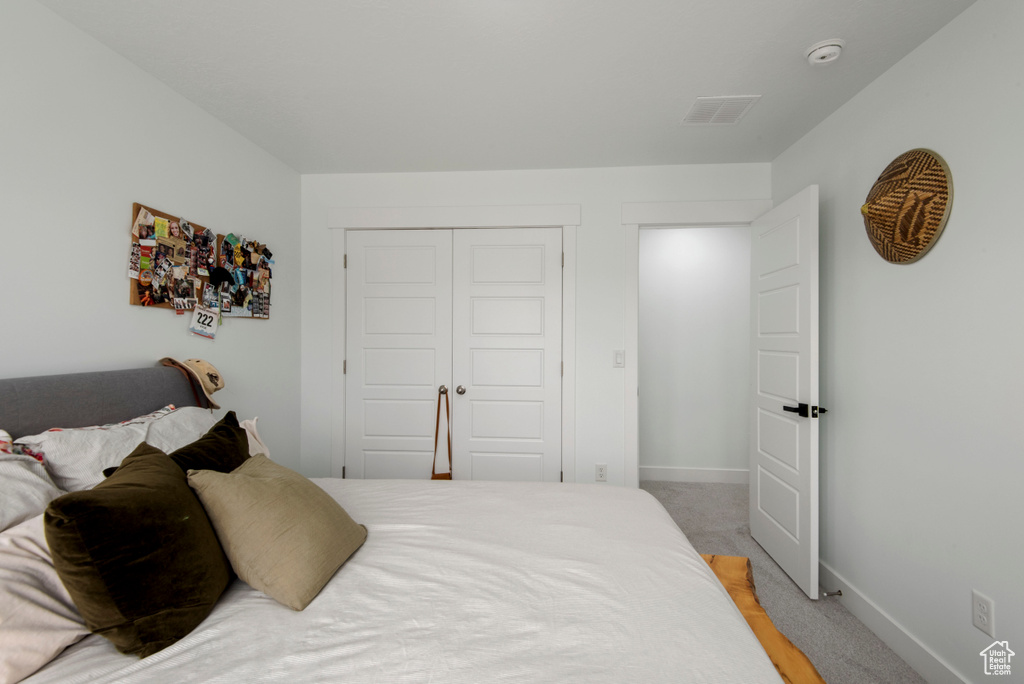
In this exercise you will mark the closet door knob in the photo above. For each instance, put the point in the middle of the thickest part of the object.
(460, 390)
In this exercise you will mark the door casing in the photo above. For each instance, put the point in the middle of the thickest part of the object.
(637, 215)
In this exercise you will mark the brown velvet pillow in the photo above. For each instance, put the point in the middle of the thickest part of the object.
(137, 554)
(223, 448)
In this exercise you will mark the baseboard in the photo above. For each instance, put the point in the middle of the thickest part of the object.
(677, 474)
(927, 663)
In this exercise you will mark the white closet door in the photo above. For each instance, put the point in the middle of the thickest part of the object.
(507, 318)
(398, 341)
(784, 364)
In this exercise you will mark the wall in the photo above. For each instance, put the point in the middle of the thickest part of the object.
(599, 285)
(922, 364)
(85, 133)
(694, 336)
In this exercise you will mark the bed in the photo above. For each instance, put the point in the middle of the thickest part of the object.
(456, 581)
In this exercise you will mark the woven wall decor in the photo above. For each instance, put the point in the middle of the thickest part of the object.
(908, 205)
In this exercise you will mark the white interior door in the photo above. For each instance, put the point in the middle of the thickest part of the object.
(503, 349)
(784, 365)
(507, 317)
(398, 339)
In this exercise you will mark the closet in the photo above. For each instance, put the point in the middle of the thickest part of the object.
(478, 311)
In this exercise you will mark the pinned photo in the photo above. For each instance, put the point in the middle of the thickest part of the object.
(161, 227)
(144, 220)
(135, 261)
(184, 289)
(174, 248)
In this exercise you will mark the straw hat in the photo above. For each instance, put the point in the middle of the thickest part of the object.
(203, 371)
(908, 205)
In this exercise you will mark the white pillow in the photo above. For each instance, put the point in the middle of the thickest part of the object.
(38, 620)
(25, 488)
(76, 457)
(187, 424)
(256, 445)
(180, 427)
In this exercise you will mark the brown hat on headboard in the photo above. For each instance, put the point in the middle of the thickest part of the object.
(203, 371)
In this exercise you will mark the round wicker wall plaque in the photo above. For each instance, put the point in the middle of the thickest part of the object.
(908, 205)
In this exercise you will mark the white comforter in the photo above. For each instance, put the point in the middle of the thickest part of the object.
(473, 582)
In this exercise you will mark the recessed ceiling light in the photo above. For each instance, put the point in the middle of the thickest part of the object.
(826, 51)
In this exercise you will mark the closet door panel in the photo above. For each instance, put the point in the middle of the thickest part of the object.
(398, 349)
(507, 316)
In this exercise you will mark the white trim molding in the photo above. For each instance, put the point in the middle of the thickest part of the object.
(680, 474)
(564, 216)
(524, 216)
(927, 662)
(650, 214)
(637, 215)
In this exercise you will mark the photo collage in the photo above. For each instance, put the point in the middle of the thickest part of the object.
(180, 265)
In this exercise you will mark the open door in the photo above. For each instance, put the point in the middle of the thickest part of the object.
(784, 366)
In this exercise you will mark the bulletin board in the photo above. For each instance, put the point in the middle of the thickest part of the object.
(170, 260)
(250, 265)
(181, 265)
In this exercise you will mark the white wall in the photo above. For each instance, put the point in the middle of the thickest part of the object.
(694, 332)
(84, 134)
(599, 285)
(923, 364)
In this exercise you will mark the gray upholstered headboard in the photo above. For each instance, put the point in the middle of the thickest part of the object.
(31, 405)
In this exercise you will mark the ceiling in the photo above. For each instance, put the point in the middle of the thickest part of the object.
(334, 86)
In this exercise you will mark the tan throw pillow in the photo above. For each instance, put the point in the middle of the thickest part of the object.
(283, 534)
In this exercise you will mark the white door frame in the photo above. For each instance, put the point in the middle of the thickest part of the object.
(564, 216)
(637, 215)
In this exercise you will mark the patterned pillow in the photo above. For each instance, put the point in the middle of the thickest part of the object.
(75, 457)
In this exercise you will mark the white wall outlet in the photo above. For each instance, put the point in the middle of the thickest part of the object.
(602, 473)
(983, 613)
(618, 358)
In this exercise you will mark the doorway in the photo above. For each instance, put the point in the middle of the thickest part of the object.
(694, 358)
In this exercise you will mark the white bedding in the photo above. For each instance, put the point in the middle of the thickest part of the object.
(473, 582)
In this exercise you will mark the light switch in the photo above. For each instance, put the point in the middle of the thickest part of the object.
(618, 358)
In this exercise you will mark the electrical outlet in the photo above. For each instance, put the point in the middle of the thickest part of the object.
(983, 613)
(602, 473)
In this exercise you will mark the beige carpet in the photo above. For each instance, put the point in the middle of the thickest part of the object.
(714, 519)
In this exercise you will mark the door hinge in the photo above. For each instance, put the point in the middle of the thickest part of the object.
(344, 367)
(342, 472)
(344, 261)
(563, 259)
(563, 369)
(561, 476)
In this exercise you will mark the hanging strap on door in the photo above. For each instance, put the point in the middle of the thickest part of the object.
(442, 391)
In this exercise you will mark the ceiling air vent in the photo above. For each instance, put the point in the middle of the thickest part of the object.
(719, 110)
